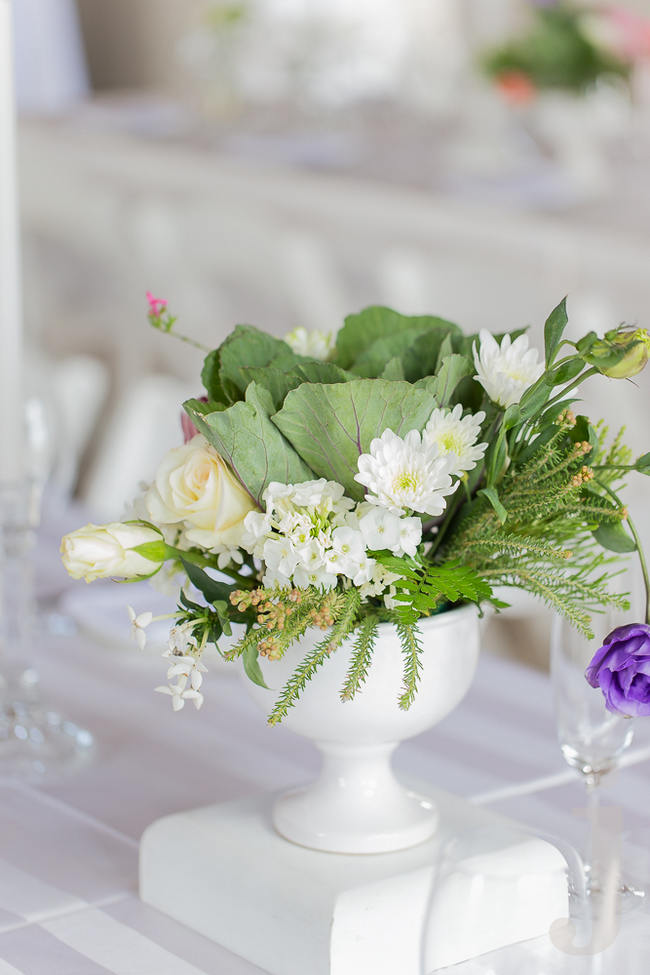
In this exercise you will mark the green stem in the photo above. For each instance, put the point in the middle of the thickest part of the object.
(639, 548)
(192, 342)
(459, 500)
(204, 562)
(572, 385)
(527, 426)
(168, 329)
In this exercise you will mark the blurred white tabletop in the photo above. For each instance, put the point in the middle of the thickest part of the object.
(69, 848)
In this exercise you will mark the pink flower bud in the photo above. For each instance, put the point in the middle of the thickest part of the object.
(189, 430)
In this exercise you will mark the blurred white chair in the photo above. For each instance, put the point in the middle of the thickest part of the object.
(51, 73)
(80, 389)
(144, 425)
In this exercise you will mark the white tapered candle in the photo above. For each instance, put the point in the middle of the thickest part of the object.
(11, 392)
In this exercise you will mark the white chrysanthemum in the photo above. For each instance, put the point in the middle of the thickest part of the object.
(455, 436)
(403, 473)
(505, 372)
(313, 343)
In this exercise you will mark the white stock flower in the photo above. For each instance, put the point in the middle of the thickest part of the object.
(195, 488)
(139, 623)
(403, 473)
(455, 437)
(281, 559)
(314, 343)
(410, 536)
(257, 525)
(383, 529)
(365, 571)
(106, 551)
(380, 528)
(505, 372)
(320, 578)
(347, 552)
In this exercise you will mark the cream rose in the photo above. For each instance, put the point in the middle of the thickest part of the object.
(194, 487)
(105, 551)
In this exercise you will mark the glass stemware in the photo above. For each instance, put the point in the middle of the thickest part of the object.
(35, 740)
(592, 739)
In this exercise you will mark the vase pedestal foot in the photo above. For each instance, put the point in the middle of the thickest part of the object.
(356, 805)
(478, 884)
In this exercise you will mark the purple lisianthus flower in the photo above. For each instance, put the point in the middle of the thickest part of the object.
(621, 668)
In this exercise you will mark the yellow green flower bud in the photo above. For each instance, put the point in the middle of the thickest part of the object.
(637, 345)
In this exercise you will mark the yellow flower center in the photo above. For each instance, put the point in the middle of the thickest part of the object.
(406, 481)
(450, 443)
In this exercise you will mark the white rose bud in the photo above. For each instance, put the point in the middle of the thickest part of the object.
(195, 487)
(106, 551)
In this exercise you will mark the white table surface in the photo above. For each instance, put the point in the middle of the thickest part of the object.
(69, 848)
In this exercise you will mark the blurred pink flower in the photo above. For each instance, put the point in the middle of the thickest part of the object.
(516, 87)
(156, 305)
(633, 32)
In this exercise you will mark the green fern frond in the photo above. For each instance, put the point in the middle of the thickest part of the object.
(410, 639)
(361, 657)
(425, 587)
(347, 609)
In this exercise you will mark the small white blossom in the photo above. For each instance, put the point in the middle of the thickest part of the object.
(311, 555)
(505, 372)
(257, 525)
(380, 579)
(139, 623)
(181, 639)
(410, 536)
(380, 529)
(320, 578)
(364, 572)
(403, 473)
(347, 551)
(315, 343)
(281, 559)
(455, 437)
(180, 695)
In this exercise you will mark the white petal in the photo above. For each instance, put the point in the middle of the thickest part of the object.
(180, 668)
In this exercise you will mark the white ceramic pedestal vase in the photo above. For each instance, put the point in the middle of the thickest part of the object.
(357, 805)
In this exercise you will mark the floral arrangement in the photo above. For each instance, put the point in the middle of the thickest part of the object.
(568, 46)
(389, 472)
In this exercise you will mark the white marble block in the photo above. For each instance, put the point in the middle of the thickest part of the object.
(479, 884)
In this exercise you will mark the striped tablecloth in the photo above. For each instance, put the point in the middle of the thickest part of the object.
(69, 848)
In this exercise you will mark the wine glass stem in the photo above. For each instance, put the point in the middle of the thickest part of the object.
(17, 548)
(592, 782)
